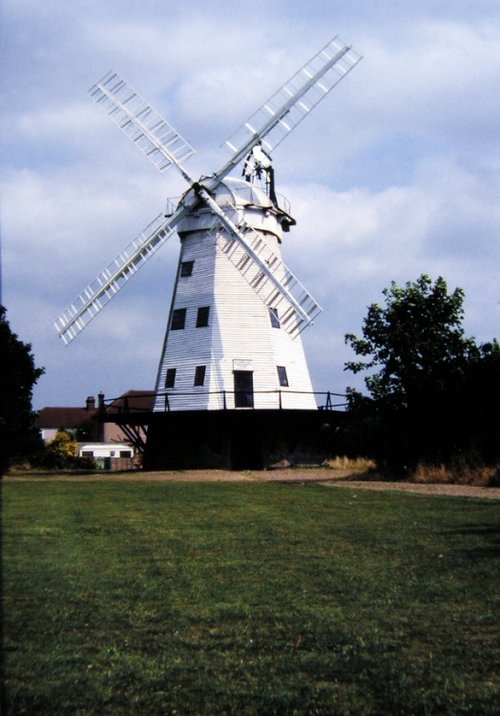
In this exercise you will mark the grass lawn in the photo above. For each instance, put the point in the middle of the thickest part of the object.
(191, 598)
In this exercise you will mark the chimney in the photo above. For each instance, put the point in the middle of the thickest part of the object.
(90, 403)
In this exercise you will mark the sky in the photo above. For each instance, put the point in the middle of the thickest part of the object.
(394, 174)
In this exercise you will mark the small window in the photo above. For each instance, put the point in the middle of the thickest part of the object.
(125, 453)
(170, 377)
(273, 315)
(87, 453)
(199, 375)
(112, 453)
(202, 317)
(187, 268)
(282, 376)
(178, 319)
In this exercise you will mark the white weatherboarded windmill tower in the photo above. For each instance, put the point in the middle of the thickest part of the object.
(233, 335)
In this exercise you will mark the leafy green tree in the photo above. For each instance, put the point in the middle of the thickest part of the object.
(61, 454)
(416, 341)
(425, 377)
(64, 443)
(18, 374)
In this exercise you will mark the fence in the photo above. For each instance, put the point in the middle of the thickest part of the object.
(226, 400)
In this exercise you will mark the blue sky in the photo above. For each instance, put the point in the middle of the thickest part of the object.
(396, 173)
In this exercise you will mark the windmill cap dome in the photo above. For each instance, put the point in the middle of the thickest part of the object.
(241, 193)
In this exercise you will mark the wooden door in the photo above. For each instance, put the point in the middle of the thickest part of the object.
(243, 389)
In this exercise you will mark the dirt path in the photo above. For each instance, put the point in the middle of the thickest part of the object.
(325, 476)
(492, 493)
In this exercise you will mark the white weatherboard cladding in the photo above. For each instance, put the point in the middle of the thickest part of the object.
(239, 328)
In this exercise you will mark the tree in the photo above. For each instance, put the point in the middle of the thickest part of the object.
(481, 395)
(422, 369)
(416, 341)
(64, 443)
(61, 454)
(18, 436)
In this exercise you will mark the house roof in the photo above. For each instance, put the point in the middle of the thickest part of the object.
(133, 400)
(53, 417)
(64, 417)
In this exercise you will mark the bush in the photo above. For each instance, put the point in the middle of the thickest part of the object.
(459, 473)
(53, 460)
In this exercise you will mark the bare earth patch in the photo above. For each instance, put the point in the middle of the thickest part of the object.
(327, 476)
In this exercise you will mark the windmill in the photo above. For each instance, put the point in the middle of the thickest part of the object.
(237, 312)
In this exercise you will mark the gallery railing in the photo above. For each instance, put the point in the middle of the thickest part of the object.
(220, 400)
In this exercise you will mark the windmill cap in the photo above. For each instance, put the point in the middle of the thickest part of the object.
(241, 193)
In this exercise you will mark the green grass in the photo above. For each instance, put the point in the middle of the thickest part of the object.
(162, 598)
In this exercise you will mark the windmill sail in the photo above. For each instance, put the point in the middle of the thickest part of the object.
(292, 102)
(107, 284)
(153, 135)
(272, 281)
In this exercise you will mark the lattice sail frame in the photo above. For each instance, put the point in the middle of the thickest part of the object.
(273, 282)
(151, 134)
(97, 294)
(293, 101)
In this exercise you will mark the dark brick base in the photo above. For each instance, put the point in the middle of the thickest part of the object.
(238, 439)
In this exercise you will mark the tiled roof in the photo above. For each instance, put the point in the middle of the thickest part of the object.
(135, 400)
(54, 417)
(63, 417)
